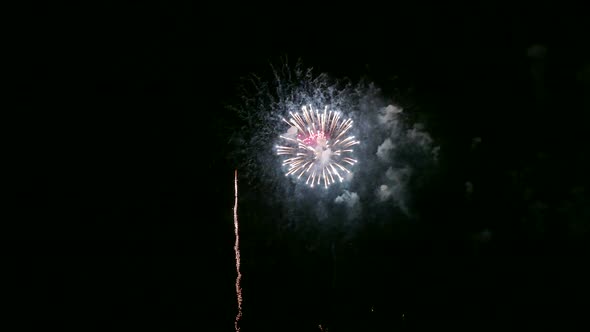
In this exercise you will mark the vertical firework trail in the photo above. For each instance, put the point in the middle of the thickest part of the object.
(237, 252)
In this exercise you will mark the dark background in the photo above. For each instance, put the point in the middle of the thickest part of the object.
(124, 183)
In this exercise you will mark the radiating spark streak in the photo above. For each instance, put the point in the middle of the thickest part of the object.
(336, 172)
(347, 139)
(330, 174)
(350, 144)
(320, 147)
(342, 167)
(237, 253)
(289, 138)
(349, 161)
(307, 181)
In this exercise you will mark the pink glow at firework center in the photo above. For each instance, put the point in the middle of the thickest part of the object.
(315, 138)
(319, 142)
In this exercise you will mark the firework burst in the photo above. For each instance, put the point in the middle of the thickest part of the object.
(317, 148)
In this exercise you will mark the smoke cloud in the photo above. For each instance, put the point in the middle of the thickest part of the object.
(384, 150)
(392, 153)
(351, 201)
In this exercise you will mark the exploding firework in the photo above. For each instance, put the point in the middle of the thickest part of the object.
(318, 149)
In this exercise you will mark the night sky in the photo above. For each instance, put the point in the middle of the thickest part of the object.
(125, 163)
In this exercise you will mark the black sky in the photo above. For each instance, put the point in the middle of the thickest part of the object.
(124, 175)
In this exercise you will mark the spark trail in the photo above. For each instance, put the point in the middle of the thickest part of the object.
(237, 253)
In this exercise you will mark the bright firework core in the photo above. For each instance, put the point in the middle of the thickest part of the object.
(318, 150)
